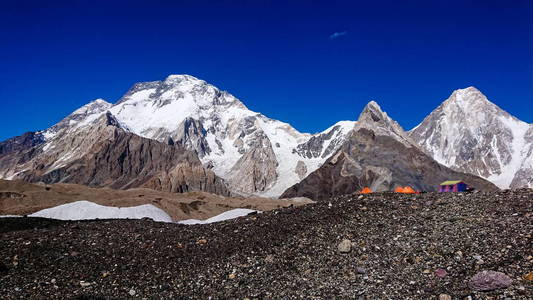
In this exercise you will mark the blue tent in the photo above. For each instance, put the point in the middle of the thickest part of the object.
(453, 186)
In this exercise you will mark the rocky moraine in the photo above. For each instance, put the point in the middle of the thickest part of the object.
(378, 246)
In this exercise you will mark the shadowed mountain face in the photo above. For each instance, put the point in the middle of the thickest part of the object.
(19, 143)
(380, 159)
(103, 154)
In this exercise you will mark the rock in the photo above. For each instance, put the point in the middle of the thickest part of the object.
(132, 292)
(232, 276)
(360, 270)
(528, 276)
(269, 258)
(440, 273)
(300, 169)
(445, 297)
(345, 246)
(489, 280)
(84, 284)
(256, 169)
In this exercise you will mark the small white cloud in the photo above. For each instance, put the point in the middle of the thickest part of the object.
(337, 35)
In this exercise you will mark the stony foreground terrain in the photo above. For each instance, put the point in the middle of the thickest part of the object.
(400, 247)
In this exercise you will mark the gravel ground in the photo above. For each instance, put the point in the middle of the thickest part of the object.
(400, 247)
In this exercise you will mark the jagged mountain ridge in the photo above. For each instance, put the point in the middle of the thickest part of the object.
(470, 134)
(229, 138)
(252, 153)
(379, 154)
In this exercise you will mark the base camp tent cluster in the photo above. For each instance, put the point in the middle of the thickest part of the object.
(446, 186)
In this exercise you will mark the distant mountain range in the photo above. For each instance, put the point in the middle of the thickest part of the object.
(183, 134)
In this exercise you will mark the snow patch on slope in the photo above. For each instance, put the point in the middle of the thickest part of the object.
(85, 210)
(518, 150)
(228, 215)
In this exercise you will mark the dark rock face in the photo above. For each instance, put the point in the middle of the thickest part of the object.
(19, 150)
(380, 162)
(19, 143)
(106, 155)
(314, 147)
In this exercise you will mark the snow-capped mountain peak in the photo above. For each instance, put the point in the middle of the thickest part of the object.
(469, 133)
(253, 153)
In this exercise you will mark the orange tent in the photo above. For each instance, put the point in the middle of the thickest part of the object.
(408, 190)
(365, 190)
(404, 190)
(398, 189)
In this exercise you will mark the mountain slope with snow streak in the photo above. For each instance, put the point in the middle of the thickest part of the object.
(469, 133)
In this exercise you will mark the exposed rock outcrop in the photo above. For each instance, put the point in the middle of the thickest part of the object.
(301, 169)
(256, 169)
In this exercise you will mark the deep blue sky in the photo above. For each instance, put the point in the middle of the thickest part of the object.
(277, 58)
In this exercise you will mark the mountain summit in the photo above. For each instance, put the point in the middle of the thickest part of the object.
(469, 133)
(374, 118)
